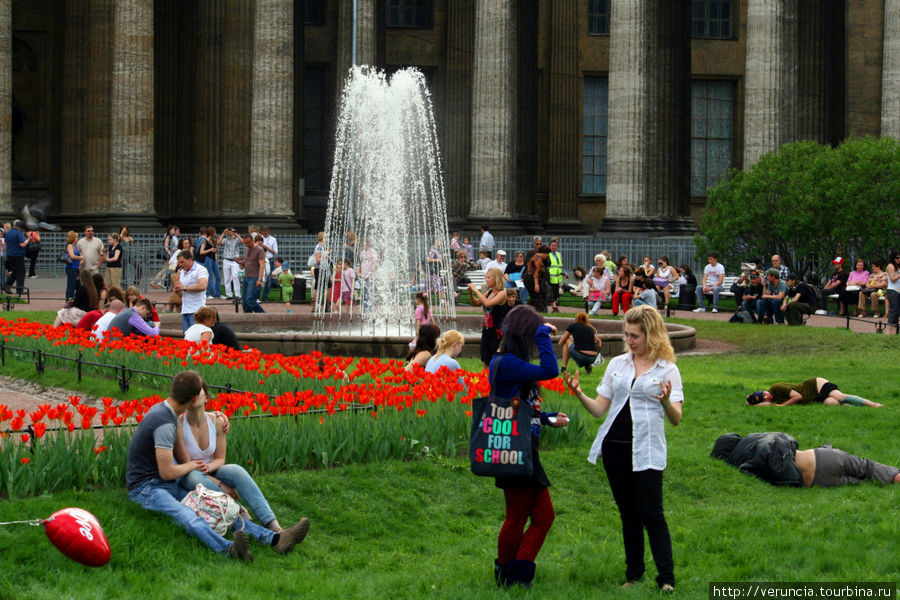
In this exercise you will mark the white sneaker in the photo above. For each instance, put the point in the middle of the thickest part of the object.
(821, 312)
(715, 310)
(700, 309)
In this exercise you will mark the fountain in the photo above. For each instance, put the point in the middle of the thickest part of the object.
(386, 209)
(386, 188)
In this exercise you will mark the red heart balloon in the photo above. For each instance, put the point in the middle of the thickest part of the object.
(78, 535)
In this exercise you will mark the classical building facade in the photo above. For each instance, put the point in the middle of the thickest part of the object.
(563, 115)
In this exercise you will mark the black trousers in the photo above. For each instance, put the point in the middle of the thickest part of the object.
(638, 494)
(16, 266)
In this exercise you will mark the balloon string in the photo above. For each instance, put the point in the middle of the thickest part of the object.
(32, 522)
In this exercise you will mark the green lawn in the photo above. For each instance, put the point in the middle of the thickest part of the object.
(427, 528)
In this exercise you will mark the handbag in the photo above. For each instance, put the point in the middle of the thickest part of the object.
(218, 509)
(500, 441)
(65, 258)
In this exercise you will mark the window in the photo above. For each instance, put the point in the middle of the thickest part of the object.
(594, 135)
(598, 17)
(314, 159)
(712, 19)
(409, 13)
(314, 12)
(712, 133)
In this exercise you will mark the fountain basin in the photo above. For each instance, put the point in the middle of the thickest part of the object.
(294, 334)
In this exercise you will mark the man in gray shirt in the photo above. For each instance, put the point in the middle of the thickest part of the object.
(769, 303)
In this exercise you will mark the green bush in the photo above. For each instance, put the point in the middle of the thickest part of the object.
(808, 203)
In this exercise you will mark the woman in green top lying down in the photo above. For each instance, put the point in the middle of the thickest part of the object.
(817, 389)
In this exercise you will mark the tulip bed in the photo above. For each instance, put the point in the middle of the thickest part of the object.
(295, 412)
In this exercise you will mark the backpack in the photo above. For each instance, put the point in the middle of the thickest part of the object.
(741, 316)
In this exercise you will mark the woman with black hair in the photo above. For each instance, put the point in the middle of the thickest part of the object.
(85, 300)
(512, 375)
(426, 346)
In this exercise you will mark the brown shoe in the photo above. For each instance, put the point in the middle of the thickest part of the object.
(241, 547)
(292, 536)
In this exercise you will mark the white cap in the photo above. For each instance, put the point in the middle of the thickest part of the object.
(501, 252)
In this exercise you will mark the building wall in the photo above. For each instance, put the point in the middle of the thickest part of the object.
(204, 88)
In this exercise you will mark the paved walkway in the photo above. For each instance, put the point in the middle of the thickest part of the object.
(47, 294)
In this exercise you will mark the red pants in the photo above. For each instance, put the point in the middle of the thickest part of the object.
(623, 298)
(515, 542)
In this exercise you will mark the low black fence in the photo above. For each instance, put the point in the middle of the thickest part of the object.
(123, 374)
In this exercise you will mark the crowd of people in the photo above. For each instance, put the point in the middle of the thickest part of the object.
(777, 295)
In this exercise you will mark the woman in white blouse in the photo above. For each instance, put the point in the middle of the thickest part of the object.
(640, 390)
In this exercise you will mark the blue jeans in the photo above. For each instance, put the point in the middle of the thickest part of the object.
(250, 296)
(715, 295)
(267, 282)
(750, 307)
(71, 282)
(238, 478)
(893, 296)
(165, 497)
(214, 283)
(767, 306)
(186, 321)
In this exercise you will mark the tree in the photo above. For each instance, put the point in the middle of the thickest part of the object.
(808, 203)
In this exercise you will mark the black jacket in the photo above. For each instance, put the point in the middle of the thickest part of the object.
(769, 456)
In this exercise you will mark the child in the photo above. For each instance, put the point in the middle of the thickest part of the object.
(483, 259)
(470, 252)
(286, 281)
(336, 278)
(512, 297)
(423, 315)
(423, 310)
(348, 279)
(648, 296)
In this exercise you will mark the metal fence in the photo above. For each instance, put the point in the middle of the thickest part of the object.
(142, 260)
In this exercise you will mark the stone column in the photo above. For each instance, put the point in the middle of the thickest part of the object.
(6, 107)
(670, 80)
(771, 80)
(271, 158)
(457, 125)
(366, 42)
(98, 155)
(492, 191)
(890, 79)
(237, 82)
(74, 107)
(649, 112)
(131, 177)
(630, 124)
(564, 126)
(207, 66)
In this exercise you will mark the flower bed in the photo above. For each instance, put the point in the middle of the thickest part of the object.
(304, 411)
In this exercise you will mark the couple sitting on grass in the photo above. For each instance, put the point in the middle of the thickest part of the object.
(180, 428)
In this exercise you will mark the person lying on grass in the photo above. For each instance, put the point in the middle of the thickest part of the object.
(774, 458)
(817, 389)
(202, 439)
(151, 475)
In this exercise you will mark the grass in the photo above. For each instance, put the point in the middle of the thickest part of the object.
(427, 528)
